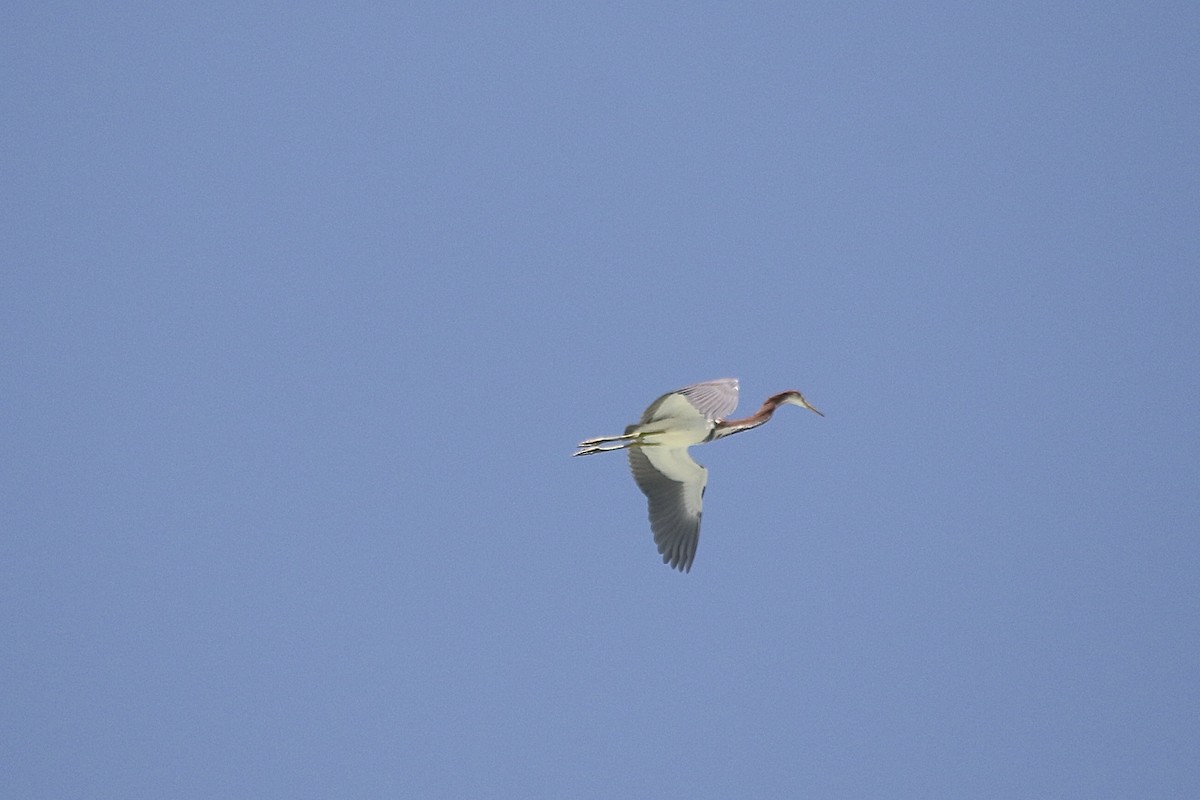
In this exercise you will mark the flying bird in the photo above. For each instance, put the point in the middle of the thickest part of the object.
(664, 470)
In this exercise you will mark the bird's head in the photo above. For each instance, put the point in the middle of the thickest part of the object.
(792, 397)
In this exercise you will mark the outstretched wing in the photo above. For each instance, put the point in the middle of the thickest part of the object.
(674, 485)
(708, 401)
(714, 399)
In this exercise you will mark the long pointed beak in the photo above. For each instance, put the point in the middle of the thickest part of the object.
(811, 407)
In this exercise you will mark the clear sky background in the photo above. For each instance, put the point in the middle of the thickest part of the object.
(305, 307)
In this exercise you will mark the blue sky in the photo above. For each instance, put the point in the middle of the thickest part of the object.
(305, 307)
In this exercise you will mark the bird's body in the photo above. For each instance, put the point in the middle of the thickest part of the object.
(664, 470)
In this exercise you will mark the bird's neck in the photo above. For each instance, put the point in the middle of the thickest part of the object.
(729, 427)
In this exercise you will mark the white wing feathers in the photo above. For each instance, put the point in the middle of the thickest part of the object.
(674, 486)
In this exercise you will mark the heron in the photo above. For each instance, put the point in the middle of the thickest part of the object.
(664, 470)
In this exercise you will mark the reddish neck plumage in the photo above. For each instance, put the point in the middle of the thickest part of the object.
(729, 427)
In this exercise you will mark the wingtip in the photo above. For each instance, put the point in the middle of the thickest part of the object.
(674, 562)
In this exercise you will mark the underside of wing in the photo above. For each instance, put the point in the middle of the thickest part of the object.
(674, 486)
